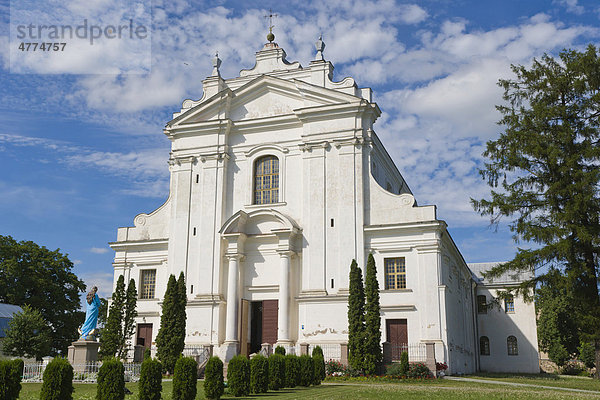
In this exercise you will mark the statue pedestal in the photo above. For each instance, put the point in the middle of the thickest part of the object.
(83, 352)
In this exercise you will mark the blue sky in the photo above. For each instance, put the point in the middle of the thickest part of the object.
(82, 153)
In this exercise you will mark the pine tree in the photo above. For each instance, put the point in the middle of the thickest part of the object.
(372, 344)
(170, 340)
(356, 318)
(110, 340)
(129, 315)
(546, 162)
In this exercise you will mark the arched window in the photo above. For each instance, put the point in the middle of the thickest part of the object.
(513, 348)
(484, 346)
(266, 180)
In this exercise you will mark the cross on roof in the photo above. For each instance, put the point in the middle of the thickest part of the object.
(270, 16)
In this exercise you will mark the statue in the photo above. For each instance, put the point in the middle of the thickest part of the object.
(88, 329)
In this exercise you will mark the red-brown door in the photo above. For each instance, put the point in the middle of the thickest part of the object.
(397, 336)
(269, 321)
(144, 335)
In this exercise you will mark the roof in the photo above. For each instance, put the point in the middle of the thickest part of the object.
(6, 314)
(509, 277)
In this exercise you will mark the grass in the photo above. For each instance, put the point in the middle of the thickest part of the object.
(553, 380)
(436, 390)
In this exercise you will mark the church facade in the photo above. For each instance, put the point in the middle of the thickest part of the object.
(278, 180)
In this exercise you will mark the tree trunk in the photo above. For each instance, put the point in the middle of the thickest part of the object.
(597, 345)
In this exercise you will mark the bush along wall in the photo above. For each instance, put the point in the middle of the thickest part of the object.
(319, 374)
(307, 370)
(58, 381)
(213, 379)
(280, 350)
(10, 379)
(238, 376)
(292, 371)
(185, 379)
(276, 372)
(111, 380)
(150, 385)
(404, 363)
(259, 374)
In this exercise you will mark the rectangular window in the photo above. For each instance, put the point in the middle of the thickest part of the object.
(395, 273)
(148, 279)
(509, 304)
(482, 305)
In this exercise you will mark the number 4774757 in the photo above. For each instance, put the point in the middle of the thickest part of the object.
(43, 46)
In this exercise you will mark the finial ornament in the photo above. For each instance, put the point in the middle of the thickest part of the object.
(216, 61)
(320, 45)
(270, 35)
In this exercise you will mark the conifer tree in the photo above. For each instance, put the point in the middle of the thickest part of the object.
(181, 313)
(110, 340)
(372, 343)
(356, 318)
(129, 314)
(171, 335)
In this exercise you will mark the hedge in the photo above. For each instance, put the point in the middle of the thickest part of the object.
(213, 379)
(58, 380)
(10, 379)
(276, 372)
(307, 370)
(292, 371)
(318, 351)
(111, 380)
(150, 384)
(259, 374)
(319, 369)
(185, 379)
(404, 363)
(238, 376)
(280, 350)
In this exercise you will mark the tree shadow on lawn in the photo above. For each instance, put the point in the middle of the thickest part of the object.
(276, 393)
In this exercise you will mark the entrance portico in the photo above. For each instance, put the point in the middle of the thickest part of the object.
(267, 231)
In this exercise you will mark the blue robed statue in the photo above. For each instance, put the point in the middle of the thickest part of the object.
(88, 329)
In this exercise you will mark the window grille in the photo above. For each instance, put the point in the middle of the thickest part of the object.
(266, 180)
(395, 273)
(147, 291)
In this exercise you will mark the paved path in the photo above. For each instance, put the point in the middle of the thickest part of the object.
(456, 378)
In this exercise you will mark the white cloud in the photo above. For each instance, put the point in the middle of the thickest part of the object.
(571, 6)
(102, 280)
(412, 13)
(99, 250)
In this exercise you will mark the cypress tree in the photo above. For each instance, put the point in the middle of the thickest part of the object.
(110, 340)
(167, 349)
(372, 344)
(129, 314)
(181, 314)
(356, 318)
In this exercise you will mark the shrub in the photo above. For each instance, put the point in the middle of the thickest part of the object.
(58, 380)
(319, 375)
(238, 376)
(185, 379)
(292, 371)
(558, 354)
(307, 370)
(587, 354)
(150, 384)
(404, 366)
(418, 371)
(572, 368)
(259, 374)
(147, 354)
(280, 350)
(441, 366)
(111, 380)
(276, 371)
(213, 379)
(395, 369)
(10, 378)
(317, 351)
(334, 368)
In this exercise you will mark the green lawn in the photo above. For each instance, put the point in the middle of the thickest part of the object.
(437, 390)
(573, 382)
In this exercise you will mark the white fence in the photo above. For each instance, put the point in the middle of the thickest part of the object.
(331, 351)
(416, 351)
(34, 372)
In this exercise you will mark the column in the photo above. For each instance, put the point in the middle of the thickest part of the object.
(283, 315)
(232, 298)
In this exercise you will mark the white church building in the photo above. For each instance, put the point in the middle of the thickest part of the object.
(278, 180)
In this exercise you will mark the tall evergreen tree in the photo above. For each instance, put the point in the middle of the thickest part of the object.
(356, 318)
(110, 341)
(372, 345)
(171, 335)
(129, 314)
(546, 162)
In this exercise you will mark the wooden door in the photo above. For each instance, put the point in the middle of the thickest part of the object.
(269, 321)
(144, 335)
(397, 336)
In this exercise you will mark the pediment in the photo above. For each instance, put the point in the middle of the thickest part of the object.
(263, 97)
